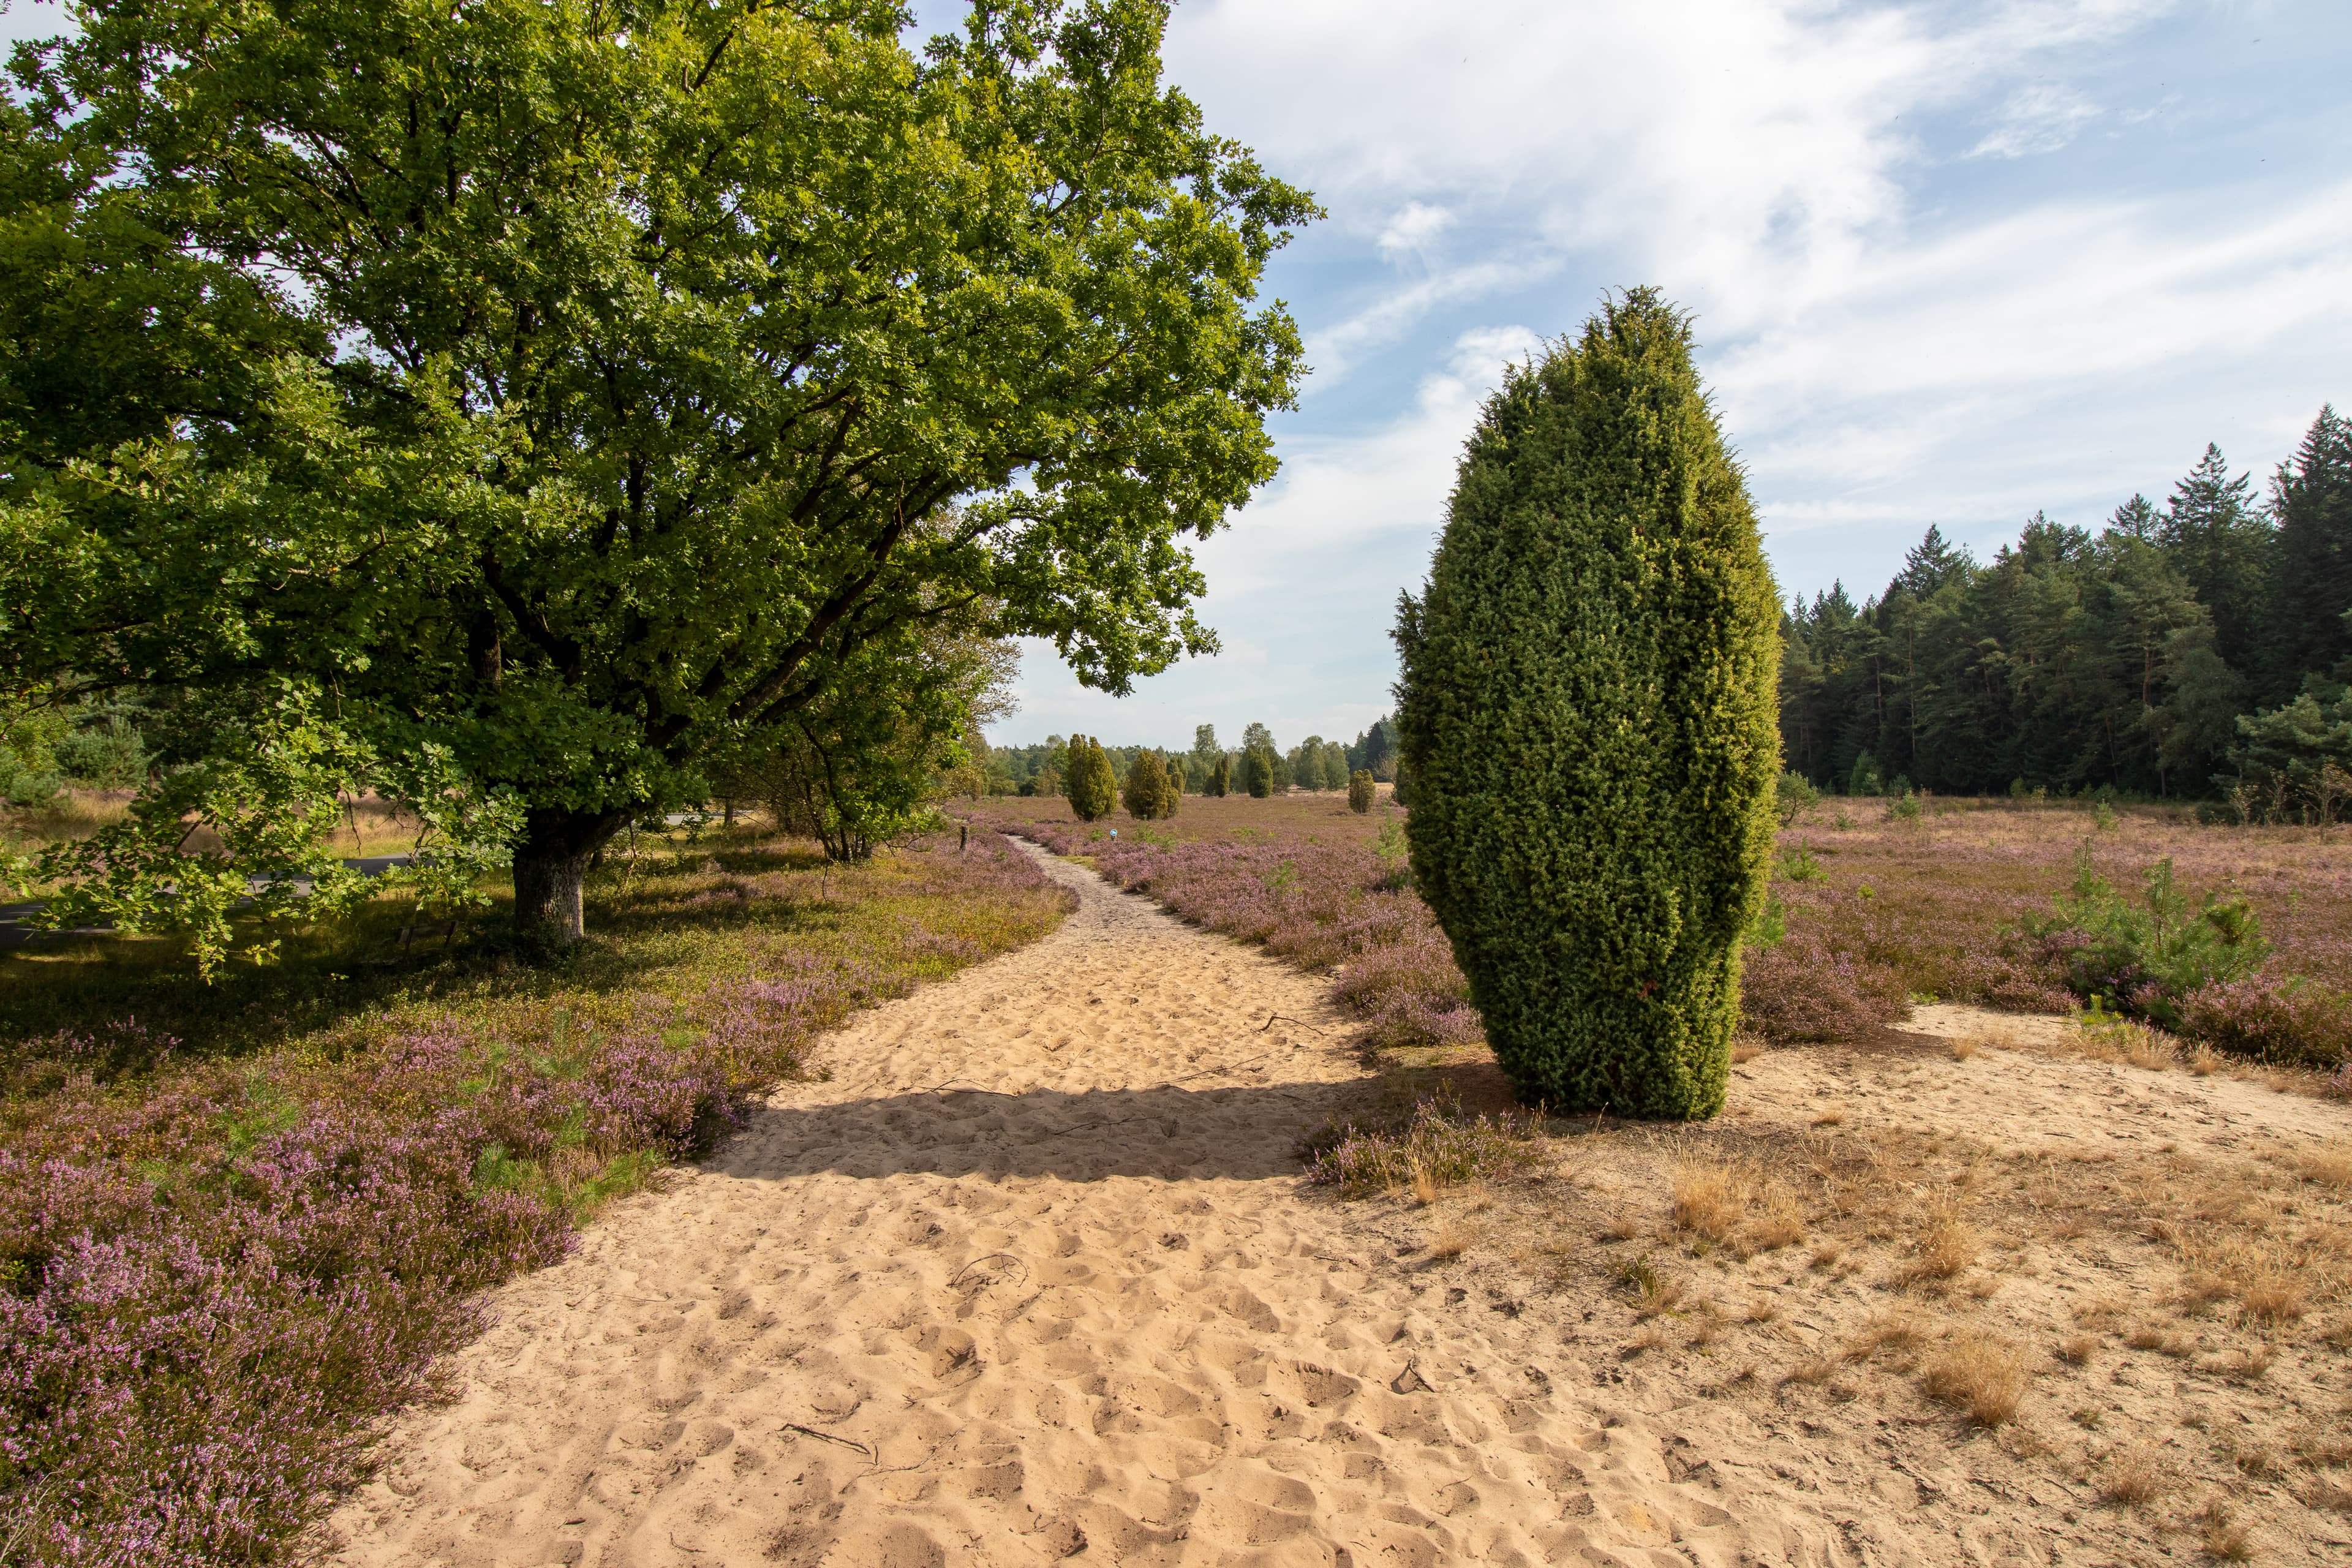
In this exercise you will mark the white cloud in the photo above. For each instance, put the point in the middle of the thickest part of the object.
(2041, 117)
(1413, 231)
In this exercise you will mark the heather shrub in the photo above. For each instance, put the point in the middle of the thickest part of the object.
(1589, 722)
(2291, 1020)
(1361, 791)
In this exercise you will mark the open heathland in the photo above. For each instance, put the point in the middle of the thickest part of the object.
(1026, 1269)
(237, 1222)
(1875, 909)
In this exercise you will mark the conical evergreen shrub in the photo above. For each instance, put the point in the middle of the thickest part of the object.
(1361, 791)
(1149, 792)
(1588, 718)
(1257, 771)
(1220, 777)
(1094, 787)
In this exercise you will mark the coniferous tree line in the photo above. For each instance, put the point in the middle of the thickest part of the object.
(2196, 649)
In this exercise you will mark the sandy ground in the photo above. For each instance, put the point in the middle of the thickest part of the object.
(1032, 1275)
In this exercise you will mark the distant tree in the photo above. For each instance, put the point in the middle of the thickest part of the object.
(2218, 539)
(1202, 762)
(1256, 777)
(1587, 703)
(1361, 791)
(1093, 786)
(1305, 761)
(1376, 749)
(1335, 765)
(1149, 792)
(2137, 519)
(866, 763)
(2312, 496)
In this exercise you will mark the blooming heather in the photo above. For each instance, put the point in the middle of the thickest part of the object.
(1899, 910)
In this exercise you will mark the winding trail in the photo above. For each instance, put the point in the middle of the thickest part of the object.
(1032, 1274)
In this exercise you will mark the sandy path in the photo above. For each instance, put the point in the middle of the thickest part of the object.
(1039, 1249)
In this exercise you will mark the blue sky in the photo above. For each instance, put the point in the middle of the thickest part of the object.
(1950, 264)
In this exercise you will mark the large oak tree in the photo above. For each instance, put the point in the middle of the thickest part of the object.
(587, 386)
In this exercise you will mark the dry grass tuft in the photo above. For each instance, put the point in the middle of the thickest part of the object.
(1654, 1292)
(1451, 1239)
(1830, 1116)
(1885, 1332)
(2135, 1477)
(2151, 1048)
(1745, 1049)
(1425, 1186)
(2203, 1061)
(1978, 1372)
(1651, 1337)
(1811, 1372)
(2225, 1540)
(1826, 1255)
(1964, 1047)
(2166, 1341)
(2078, 1350)
(2329, 1165)
(1710, 1198)
(2329, 1493)
(2241, 1366)
(1733, 1202)
(1948, 1244)
(2273, 1296)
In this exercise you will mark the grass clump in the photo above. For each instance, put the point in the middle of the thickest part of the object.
(1979, 1374)
(1434, 1145)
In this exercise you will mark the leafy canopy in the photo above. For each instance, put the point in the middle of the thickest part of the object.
(585, 387)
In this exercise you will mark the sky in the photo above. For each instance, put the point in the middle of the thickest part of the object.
(1950, 264)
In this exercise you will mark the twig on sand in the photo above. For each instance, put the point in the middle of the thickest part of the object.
(829, 1437)
(956, 1283)
(1224, 1067)
(959, 1086)
(1285, 1018)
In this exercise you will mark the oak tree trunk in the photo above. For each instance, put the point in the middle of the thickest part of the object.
(549, 864)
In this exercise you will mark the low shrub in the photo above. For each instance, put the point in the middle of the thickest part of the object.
(1793, 796)
(1361, 791)
(2291, 1021)
(2145, 959)
(1436, 1144)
